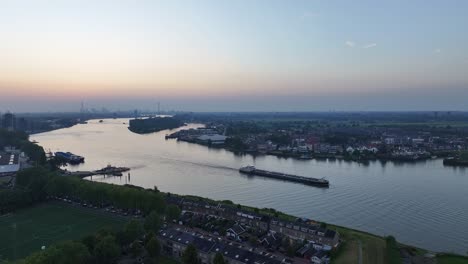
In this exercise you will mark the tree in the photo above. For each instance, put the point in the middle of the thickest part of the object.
(13, 199)
(136, 249)
(90, 242)
(149, 236)
(67, 252)
(34, 179)
(153, 222)
(107, 250)
(57, 162)
(132, 231)
(190, 255)
(253, 241)
(219, 259)
(153, 247)
(173, 212)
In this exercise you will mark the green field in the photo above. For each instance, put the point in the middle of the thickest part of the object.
(373, 247)
(451, 259)
(28, 230)
(166, 260)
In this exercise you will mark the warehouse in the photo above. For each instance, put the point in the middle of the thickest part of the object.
(9, 164)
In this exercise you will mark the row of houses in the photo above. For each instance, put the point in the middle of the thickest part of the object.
(314, 253)
(222, 210)
(175, 242)
(303, 230)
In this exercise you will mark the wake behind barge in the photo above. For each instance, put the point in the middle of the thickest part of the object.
(251, 170)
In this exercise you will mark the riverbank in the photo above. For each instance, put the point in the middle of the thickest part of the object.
(312, 156)
(402, 199)
(460, 160)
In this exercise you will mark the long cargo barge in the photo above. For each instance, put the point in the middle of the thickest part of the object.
(251, 170)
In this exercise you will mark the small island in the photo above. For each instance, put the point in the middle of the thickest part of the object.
(154, 124)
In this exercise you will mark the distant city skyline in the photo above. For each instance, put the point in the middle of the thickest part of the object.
(219, 55)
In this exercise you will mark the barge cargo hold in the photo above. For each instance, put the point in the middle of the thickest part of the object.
(251, 170)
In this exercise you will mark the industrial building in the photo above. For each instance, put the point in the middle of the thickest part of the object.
(9, 164)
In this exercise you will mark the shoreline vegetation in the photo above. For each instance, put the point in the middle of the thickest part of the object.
(154, 124)
(461, 160)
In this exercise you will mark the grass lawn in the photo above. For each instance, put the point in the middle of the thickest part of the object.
(166, 260)
(373, 248)
(29, 229)
(349, 253)
(451, 259)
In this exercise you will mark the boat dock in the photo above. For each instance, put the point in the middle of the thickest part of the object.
(251, 170)
(109, 170)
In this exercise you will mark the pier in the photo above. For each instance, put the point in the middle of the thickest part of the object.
(251, 170)
(109, 170)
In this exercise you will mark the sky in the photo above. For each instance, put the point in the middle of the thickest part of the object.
(237, 55)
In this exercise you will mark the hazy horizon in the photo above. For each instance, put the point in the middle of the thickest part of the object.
(234, 55)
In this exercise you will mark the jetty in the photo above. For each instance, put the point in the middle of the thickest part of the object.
(251, 170)
(109, 170)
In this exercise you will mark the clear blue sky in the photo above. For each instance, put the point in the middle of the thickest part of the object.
(237, 55)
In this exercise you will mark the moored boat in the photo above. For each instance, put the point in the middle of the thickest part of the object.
(70, 157)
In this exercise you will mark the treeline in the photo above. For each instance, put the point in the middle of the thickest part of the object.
(154, 124)
(30, 188)
(21, 140)
(36, 184)
(12, 199)
(392, 251)
(123, 197)
(244, 127)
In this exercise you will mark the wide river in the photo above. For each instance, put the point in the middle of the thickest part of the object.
(423, 204)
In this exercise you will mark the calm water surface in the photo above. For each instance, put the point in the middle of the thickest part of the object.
(423, 204)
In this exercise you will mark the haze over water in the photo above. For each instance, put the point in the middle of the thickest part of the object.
(422, 204)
